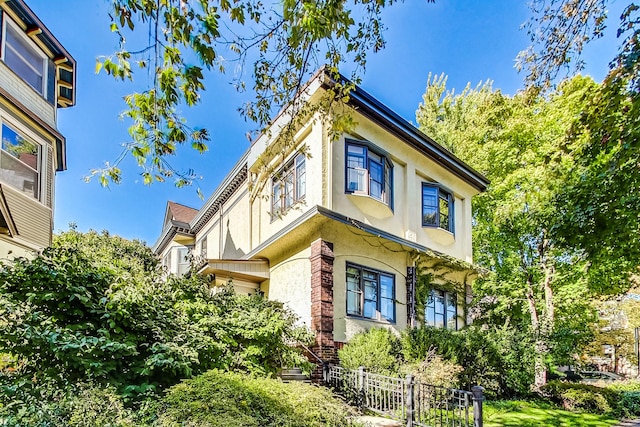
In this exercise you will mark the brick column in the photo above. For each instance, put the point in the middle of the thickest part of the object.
(322, 301)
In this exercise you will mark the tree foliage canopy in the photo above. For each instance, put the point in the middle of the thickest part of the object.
(282, 43)
(97, 308)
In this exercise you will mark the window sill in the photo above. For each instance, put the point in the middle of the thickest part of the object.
(371, 206)
(367, 319)
(440, 235)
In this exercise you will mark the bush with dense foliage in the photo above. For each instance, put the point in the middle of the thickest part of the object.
(500, 360)
(98, 308)
(225, 399)
(593, 399)
(377, 350)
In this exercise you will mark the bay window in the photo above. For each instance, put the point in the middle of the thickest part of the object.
(20, 162)
(368, 172)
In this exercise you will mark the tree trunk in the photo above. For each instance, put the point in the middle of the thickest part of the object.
(540, 367)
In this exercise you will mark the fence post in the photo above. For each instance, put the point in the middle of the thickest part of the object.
(361, 394)
(477, 405)
(410, 401)
(325, 373)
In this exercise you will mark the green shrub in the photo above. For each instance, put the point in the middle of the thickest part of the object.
(583, 397)
(228, 400)
(378, 350)
(434, 370)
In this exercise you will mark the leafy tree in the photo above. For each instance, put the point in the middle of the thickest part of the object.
(601, 203)
(284, 42)
(518, 143)
(96, 307)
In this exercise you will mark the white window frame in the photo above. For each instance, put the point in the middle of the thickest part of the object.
(7, 21)
(42, 159)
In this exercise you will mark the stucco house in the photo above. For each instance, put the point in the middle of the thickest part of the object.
(338, 228)
(37, 76)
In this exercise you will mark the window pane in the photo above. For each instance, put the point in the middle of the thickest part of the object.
(353, 303)
(439, 320)
(370, 290)
(19, 162)
(369, 309)
(429, 205)
(23, 59)
(301, 177)
(430, 316)
(387, 309)
(386, 286)
(356, 175)
(288, 190)
(277, 194)
(444, 210)
(439, 302)
(375, 176)
(356, 149)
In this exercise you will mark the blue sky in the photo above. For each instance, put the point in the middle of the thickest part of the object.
(468, 40)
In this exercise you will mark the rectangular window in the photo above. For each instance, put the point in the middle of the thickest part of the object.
(367, 172)
(20, 162)
(289, 185)
(23, 57)
(370, 292)
(183, 261)
(441, 310)
(203, 247)
(437, 207)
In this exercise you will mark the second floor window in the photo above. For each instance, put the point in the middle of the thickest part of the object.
(20, 162)
(437, 207)
(20, 54)
(441, 310)
(369, 292)
(368, 172)
(289, 185)
(203, 247)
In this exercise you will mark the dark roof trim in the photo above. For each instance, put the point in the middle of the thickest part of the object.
(174, 228)
(370, 107)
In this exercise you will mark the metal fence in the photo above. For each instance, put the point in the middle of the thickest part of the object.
(407, 400)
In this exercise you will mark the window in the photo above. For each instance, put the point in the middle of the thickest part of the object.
(370, 291)
(203, 247)
(437, 207)
(183, 261)
(368, 172)
(289, 185)
(21, 55)
(441, 310)
(20, 162)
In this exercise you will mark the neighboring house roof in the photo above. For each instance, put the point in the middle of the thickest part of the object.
(181, 213)
(39, 33)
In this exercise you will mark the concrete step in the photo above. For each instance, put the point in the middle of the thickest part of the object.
(370, 421)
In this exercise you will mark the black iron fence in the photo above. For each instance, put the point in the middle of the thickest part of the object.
(408, 400)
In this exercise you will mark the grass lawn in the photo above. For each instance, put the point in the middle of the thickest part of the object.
(533, 414)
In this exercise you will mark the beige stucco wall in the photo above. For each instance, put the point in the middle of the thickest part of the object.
(290, 283)
(264, 225)
(410, 169)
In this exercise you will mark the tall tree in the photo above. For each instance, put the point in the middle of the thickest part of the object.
(517, 142)
(282, 43)
(600, 203)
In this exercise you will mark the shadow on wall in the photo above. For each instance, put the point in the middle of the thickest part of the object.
(230, 250)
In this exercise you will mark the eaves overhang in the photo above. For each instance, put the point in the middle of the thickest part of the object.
(171, 231)
(65, 63)
(379, 113)
(225, 190)
(319, 211)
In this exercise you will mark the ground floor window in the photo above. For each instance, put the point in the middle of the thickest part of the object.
(370, 291)
(441, 310)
